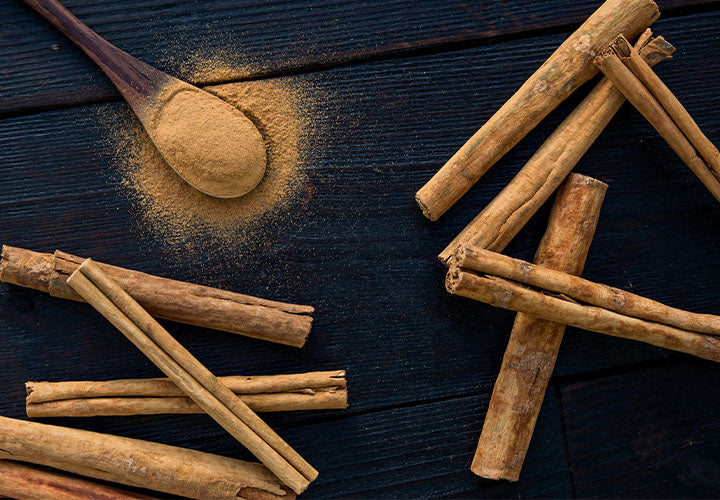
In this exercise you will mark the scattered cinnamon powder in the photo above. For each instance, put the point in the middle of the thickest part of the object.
(209, 143)
(182, 217)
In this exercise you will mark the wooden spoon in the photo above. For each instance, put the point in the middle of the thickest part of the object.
(208, 142)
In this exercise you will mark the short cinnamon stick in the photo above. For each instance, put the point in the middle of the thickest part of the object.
(509, 295)
(534, 343)
(169, 469)
(196, 381)
(500, 221)
(166, 298)
(582, 290)
(24, 482)
(620, 75)
(303, 391)
(670, 103)
(560, 75)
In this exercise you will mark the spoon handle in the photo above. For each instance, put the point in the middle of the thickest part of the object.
(136, 80)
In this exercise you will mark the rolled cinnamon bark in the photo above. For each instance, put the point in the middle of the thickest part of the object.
(670, 103)
(169, 469)
(23, 482)
(639, 96)
(500, 221)
(582, 290)
(196, 381)
(561, 74)
(534, 343)
(303, 391)
(509, 295)
(166, 298)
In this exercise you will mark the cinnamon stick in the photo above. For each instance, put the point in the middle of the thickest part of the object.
(169, 469)
(670, 103)
(509, 295)
(24, 482)
(303, 391)
(620, 75)
(560, 75)
(534, 343)
(500, 221)
(582, 290)
(196, 381)
(166, 298)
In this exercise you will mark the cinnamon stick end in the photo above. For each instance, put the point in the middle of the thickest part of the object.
(480, 469)
(26, 268)
(453, 278)
(424, 207)
(578, 180)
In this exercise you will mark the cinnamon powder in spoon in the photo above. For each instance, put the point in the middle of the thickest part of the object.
(212, 146)
(180, 216)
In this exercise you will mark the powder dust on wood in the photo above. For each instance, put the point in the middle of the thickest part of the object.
(180, 216)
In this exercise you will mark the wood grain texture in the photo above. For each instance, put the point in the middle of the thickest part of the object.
(653, 432)
(41, 68)
(430, 457)
(355, 247)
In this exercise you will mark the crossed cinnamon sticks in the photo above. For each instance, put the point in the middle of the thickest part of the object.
(122, 295)
(547, 296)
(196, 381)
(189, 388)
(511, 284)
(166, 298)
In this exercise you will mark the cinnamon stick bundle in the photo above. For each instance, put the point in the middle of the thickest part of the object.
(643, 99)
(500, 221)
(560, 75)
(24, 482)
(196, 381)
(303, 391)
(534, 343)
(507, 294)
(168, 469)
(166, 298)
(585, 291)
(669, 102)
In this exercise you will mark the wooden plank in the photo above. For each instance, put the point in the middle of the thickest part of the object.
(418, 451)
(646, 433)
(40, 68)
(425, 451)
(360, 251)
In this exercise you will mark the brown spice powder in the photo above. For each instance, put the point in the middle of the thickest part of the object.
(181, 216)
(210, 144)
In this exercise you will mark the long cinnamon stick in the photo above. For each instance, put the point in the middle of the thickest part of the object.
(169, 469)
(166, 298)
(560, 75)
(509, 295)
(534, 343)
(24, 482)
(303, 391)
(620, 75)
(500, 221)
(582, 290)
(670, 104)
(196, 381)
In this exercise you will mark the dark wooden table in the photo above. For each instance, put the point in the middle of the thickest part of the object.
(407, 82)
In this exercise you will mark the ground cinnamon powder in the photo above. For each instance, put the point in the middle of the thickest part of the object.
(212, 145)
(179, 215)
